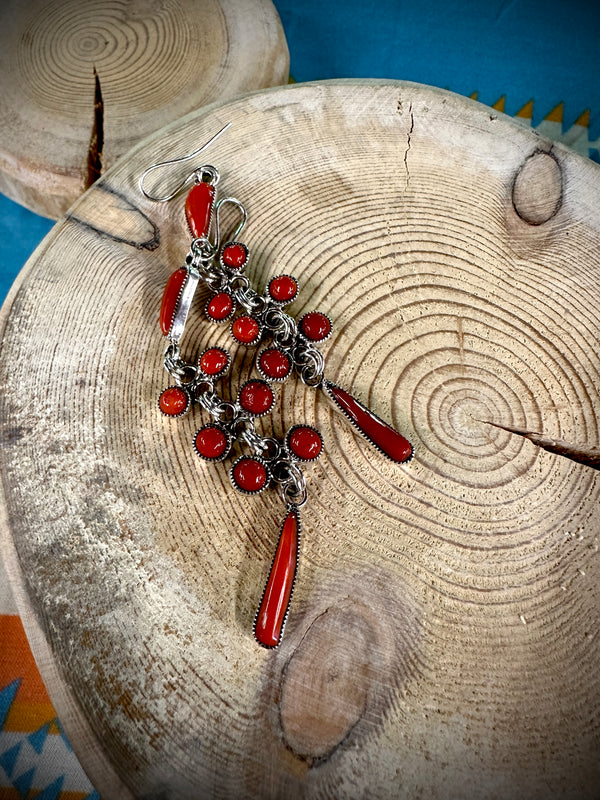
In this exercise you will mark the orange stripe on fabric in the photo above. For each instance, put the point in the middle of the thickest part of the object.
(28, 717)
(31, 707)
(8, 793)
(62, 796)
(16, 661)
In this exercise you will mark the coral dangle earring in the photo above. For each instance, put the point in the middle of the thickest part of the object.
(290, 346)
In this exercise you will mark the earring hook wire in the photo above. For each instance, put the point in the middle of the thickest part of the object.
(191, 177)
(244, 216)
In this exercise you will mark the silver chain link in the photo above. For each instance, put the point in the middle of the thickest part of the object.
(177, 367)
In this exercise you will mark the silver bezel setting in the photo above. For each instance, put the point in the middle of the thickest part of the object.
(258, 336)
(294, 455)
(250, 458)
(254, 413)
(325, 387)
(314, 342)
(228, 317)
(181, 413)
(287, 611)
(269, 377)
(234, 270)
(282, 303)
(215, 375)
(227, 450)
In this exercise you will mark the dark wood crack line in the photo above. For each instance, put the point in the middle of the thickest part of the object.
(581, 453)
(126, 206)
(94, 161)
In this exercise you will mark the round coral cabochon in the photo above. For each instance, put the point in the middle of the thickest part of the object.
(211, 442)
(214, 361)
(220, 307)
(246, 330)
(256, 397)
(234, 255)
(249, 475)
(305, 442)
(315, 326)
(174, 401)
(283, 288)
(274, 364)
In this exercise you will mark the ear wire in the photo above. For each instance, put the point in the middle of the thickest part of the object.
(196, 175)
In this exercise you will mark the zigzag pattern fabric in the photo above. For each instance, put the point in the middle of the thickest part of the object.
(36, 758)
(575, 135)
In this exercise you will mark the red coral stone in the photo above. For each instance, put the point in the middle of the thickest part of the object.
(220, 306)
(275, 602)
(249, 474)
(211, 442)
(246, 330)
(198, 207)
(170, 298)
(283, 288)
(214, 361)
(234, 255)
(305, 443)
(378, 432)
(274, 364)
(256, 397)
(173, 401)
(315, 326)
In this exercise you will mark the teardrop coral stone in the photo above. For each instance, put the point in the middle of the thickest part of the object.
(170, 297)
(378, 432)
(272, 611)
(198, 207)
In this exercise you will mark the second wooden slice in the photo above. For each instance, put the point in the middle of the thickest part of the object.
(82, 82)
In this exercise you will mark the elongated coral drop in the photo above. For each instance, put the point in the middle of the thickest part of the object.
(170, 297)
(198, 208)
(379, 433)
(272, 612)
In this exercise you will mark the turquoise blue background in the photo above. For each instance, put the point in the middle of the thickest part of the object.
(546, 50)
(524, 49)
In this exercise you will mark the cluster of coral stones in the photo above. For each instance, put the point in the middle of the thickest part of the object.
(213, 442)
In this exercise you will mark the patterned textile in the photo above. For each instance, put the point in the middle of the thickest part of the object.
(36, 759)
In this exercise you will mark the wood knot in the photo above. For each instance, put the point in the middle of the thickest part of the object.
(342, 678)
(538, 188)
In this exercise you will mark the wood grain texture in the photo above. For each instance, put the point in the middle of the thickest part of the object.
(82, 82)
(443, 637)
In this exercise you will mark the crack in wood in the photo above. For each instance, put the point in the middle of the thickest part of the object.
(122, 220)
(581, 453)
(408, 142)
(94, 160)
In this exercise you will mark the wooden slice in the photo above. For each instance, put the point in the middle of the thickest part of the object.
(443, 633)
(82, 82)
